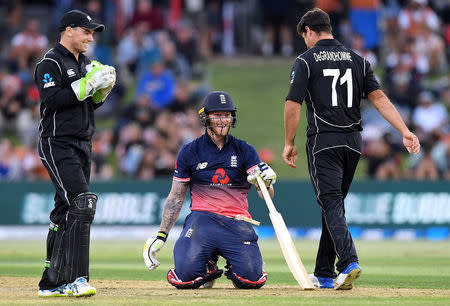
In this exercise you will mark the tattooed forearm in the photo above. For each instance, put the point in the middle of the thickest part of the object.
(173, 205)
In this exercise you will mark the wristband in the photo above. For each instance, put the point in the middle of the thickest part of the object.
(162, 236)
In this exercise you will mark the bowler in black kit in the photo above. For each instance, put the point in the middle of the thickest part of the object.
(332, 80)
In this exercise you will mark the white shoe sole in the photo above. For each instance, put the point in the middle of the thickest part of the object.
(347, 283)
(88, 293)
(42, 293)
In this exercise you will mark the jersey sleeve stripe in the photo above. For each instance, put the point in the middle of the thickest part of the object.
(307, 66)
(50, 59)
(364, 69)
(180, 179)
(251, 168)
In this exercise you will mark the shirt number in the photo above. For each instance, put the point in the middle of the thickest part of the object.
(346, 78)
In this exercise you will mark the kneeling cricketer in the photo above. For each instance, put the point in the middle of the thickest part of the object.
(219, 169)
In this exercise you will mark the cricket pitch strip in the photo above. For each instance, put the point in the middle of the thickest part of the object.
(22, 290)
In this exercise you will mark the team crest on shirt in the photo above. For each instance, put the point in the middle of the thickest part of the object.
(220, 177)
(233, 161)
(48, 81)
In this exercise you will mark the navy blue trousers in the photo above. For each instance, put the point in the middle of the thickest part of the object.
(206, 235)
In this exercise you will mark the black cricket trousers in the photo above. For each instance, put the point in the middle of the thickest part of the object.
(331, 169)
(68, 161)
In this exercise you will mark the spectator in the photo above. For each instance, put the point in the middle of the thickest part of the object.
(139, 112)
(422, 166)
(404, 71)
(158, 84)
(184, 99)
(359, 47)
(417, 15)
(197, 12)
(187, 44)
(429, 118)
(10, 166)
(276, 20)
(28, 45)
(14, 115)
(131, 48)
(130, 149)
(173, 60)
(148, 15)
(101, 148)
(431, 122)
(31, 165)
(432, 47)
(383, 162)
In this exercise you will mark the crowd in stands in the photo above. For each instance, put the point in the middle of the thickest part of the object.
(415, 57)
(159, 48)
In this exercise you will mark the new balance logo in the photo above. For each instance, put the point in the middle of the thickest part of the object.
(201, 166)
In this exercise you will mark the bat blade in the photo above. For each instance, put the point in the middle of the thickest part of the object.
(289, 251)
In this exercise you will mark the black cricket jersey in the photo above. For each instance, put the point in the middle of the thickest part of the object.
(61, 112)
(332, 80)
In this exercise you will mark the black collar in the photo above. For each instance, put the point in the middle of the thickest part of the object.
(328, 42)
(63, 50)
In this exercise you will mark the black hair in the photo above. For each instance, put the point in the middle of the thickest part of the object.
(317, 20)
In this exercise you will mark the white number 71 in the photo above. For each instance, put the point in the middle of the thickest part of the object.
(347, 77)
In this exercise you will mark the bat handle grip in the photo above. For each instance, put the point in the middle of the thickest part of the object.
(266, 195)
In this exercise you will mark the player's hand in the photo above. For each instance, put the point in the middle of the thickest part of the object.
(151, 248)
(290, 153)
(101, 94)
(265, 172)
(98, 77)
(411, 143)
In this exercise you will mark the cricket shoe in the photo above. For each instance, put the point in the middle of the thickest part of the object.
(345, 279)
(63, 290)
(322, 282)
(80, 287)
(213, 272)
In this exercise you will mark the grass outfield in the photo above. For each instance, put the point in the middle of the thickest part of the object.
(394, 272)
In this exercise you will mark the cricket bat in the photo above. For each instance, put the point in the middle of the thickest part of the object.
(284, 238)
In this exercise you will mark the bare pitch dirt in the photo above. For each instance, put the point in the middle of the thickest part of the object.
(24, 290)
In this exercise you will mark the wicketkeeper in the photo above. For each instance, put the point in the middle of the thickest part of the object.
(218, 168)
(71, 87)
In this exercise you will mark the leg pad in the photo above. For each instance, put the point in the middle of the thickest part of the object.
(70, 254)
(241, 283)
(193, 284)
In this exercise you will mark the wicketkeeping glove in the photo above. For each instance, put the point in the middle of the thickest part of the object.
(152, 247)
(265, 172)
(98, 77)
(101, 94)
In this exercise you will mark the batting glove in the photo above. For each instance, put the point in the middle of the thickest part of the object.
(265, 172)
(151, 248)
